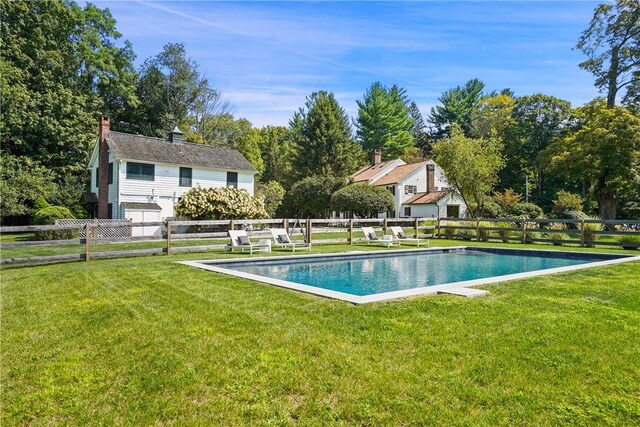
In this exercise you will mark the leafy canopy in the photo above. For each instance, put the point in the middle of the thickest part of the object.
(363, 200)
(604, 150)
(470, 165)
(611, 43)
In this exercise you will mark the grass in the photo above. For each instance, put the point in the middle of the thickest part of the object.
(147, 341)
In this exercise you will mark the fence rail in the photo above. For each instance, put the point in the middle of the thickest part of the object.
(93, 241)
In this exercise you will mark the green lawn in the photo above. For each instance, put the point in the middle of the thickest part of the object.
(145, 341)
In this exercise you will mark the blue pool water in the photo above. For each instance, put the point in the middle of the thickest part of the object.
(375, 273)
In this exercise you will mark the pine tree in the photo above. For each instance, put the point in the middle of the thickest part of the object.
(323, 136)
(384, 121)
(420, 135)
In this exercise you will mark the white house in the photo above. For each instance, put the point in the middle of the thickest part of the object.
(420, 189)
(145, 176)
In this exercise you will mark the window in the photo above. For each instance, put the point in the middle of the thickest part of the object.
(111, 173)
(407, 211)
(141, 171)
(453, 211)
(97, 177)
(185, 177)
(392, 189)
(110, 211)
(232, 179)
(410, 189)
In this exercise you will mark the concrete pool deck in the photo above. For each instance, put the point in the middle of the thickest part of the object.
(463, 288)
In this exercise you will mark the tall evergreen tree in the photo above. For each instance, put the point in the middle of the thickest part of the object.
(420, 135)
(278, 151)
(384, 121)
(325, 146)
(458, 106)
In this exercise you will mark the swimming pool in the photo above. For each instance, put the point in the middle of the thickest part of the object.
(376, 276)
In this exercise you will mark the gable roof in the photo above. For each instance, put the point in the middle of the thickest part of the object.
(370, 171)
(145, 148)
(399, 173)
(426, 198)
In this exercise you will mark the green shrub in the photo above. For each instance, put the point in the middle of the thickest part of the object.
(40, 203)
(528, 235)
(273, 194)
(507, 199)
(526, 210)
(505, 234)
(451, 229)
(557, 233)
(566, 202)
(483, 233)
(629, 241)
(574, 215)
(219, 203)
(48, 216)
(588, 228)
(364, 200)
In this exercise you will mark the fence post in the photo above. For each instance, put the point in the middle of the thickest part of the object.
(415, 226)
(384, 226)
(438, 227)
(351, 231)
(232, 225)
(524, 231)
(478, 229)
(168, 237)
(309, 231)
(87, 240)
(582, 232)
(285, 224)
(95, 230)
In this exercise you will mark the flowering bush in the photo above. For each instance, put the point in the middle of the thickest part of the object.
(219, 203)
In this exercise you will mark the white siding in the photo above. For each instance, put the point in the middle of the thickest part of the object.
(164, 189)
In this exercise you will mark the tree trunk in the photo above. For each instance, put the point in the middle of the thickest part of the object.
(607, 201)
(612, 84)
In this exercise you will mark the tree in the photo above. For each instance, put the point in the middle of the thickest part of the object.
(420, 135)
(539, 120)
(470, 165)
(612, 46)
(278, 151)
(494, 115)
(363, 200)
(60, 69)
(604, 150)
(272, 193)
(172, 90)
(458, 106)
(323, 136)
(22, 181)
(311, 196)
(384, 121)
(566, 202)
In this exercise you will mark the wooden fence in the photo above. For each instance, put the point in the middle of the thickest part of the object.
(191, 236)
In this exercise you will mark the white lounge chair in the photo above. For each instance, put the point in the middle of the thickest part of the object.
(240, 240)
(371, 237)
(398, 233)
(281, 238)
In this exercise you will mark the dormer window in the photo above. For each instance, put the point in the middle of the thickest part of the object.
(410, 189)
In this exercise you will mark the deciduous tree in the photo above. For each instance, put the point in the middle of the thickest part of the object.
(470, 165)
(363, 200)
(604, 150)
(611, 43)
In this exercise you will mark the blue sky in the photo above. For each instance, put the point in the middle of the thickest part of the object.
(267, 56)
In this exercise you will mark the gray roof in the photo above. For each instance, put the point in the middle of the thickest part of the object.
(147, 149)
(141, 206)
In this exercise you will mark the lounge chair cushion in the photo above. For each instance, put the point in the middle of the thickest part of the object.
(401, 235)
(283, 238)
(244, 240)
(372, 236)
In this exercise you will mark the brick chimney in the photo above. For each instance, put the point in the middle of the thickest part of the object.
(376, 157)
(431, 178)
(176, 136)
(103, 163)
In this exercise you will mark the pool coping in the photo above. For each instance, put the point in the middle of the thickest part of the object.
(405, 293)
